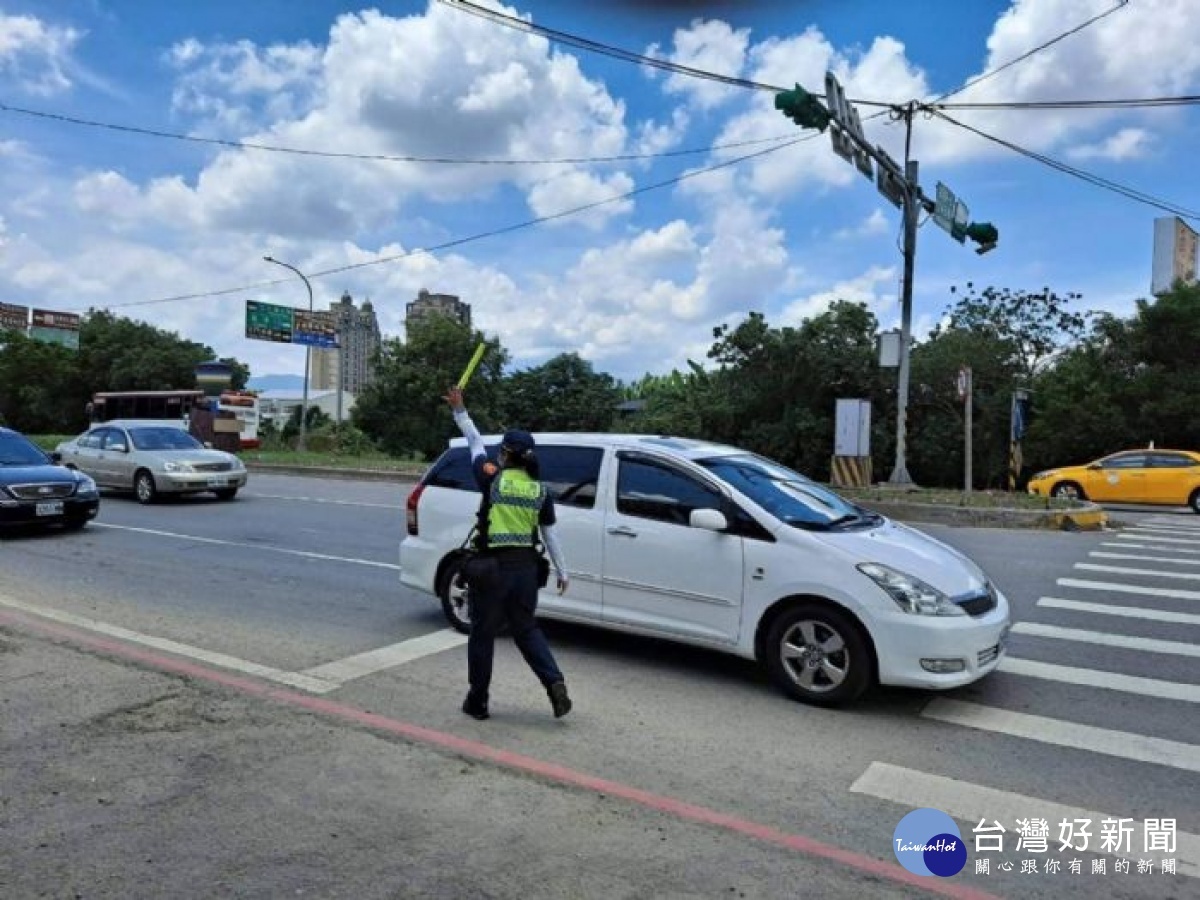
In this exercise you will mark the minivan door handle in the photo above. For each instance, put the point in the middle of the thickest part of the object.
(623, 531)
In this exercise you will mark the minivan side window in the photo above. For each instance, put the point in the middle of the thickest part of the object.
(453, 470)
(571, 474)
(650, 490)
(1171, 461)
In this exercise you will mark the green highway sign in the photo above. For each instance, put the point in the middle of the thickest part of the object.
(268, 322)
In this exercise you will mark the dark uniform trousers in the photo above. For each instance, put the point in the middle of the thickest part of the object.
(511, 597)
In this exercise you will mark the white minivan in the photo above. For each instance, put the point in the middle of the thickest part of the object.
(715, 546)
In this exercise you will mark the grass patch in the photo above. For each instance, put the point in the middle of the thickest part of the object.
(49, 441)
(380, 462)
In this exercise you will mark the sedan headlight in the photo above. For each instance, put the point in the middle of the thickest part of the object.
(178, 467)
(911, 594)
(236, 464)
(85, 486)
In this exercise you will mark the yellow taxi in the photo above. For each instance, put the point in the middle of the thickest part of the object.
(1169, 477)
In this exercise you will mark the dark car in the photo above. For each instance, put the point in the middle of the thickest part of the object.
(36, 490)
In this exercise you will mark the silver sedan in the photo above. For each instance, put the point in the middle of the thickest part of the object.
(152, 458)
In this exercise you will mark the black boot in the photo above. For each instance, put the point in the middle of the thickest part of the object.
(559, 699)
(476, 709)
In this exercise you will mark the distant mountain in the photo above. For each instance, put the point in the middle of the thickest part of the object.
(276, 383)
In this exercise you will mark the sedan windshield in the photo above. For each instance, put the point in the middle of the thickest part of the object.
(787, 495)
(163, 438)
(16, 451)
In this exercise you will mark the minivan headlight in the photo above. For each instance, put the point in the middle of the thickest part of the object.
(910, 593)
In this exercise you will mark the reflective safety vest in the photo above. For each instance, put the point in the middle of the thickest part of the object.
(513, 506)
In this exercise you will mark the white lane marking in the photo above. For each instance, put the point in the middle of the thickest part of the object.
(1104, 639)
(973, 803)
(1100, 554)
(331, 502)
(1131, 612)
(1113, 681)
(1114, 587)
(1124, 744)
(307, 554)
(1127, 570)
(292, 679)
(340, 671)
(1146, 534)
(1156, 547)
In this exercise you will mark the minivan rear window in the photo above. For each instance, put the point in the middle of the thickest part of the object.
(571, 474)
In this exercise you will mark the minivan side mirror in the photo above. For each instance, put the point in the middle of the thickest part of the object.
(708, 519)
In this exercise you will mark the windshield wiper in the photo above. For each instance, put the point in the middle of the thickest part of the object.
(843, 520)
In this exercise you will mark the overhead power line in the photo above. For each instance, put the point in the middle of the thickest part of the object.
(991, 73)
(379, 157)
(458, 242)
(1127, 103)
(1097, 180)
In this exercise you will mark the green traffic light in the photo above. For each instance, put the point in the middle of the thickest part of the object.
(984, 234)
(802, 108)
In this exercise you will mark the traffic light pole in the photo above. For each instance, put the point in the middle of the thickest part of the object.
(912, 208)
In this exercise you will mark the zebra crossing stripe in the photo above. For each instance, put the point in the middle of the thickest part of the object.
(1112, 681)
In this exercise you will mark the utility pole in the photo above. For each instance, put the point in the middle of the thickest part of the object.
(911, 211)
(902, 187)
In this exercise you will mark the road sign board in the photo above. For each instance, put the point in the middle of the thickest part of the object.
(847, 131)
(314, 328)
(268, 322)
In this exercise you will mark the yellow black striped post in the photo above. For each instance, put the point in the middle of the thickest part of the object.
(851, 471)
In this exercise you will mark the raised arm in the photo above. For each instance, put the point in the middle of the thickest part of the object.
(474, 440)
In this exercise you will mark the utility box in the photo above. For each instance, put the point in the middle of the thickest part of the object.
(851, 465)
(852, 436)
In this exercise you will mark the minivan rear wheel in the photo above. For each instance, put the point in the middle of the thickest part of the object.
(453, 593)
(816, 654)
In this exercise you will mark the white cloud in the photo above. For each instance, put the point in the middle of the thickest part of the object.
(1128, 143)
(578, 188)
(875, 224)
(36, 55)
(877, 288)
(710, 46)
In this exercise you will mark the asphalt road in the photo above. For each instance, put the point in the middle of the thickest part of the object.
(238, 699)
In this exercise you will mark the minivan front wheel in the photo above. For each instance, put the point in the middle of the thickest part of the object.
(816, 654)
(453, 593)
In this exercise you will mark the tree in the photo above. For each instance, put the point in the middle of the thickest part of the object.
(404, 410)
(563, 394)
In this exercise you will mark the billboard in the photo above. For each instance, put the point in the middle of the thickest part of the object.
(1175, 254)
(55, 328)
(13, 317)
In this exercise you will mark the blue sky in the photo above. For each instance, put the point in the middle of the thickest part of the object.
(93, 217)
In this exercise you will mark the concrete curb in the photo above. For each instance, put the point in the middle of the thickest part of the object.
(1089, 517)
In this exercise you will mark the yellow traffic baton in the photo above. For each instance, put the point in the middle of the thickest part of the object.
(470, 369)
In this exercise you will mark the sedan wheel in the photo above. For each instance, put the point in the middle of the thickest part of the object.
(1194, 502)
(143, 487)
(1067, 490)
(816, 654)
(453, 594)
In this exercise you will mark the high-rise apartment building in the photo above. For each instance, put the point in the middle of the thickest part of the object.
(428, 304)
(359, 337)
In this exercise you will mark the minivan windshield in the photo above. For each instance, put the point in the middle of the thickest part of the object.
(787, 495)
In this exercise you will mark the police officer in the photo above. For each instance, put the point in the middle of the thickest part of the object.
(515, 507)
